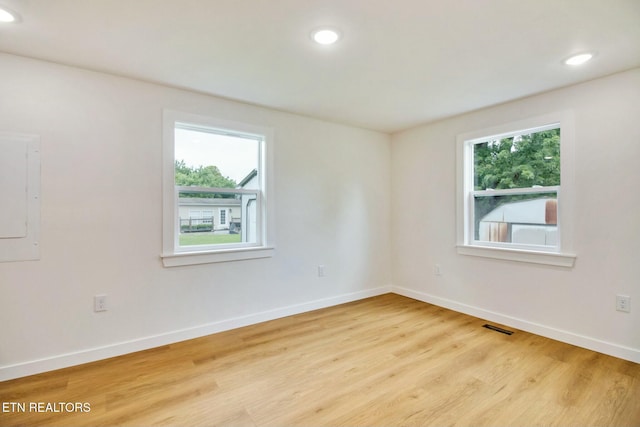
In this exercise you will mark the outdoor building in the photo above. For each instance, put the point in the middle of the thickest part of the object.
(202, 214)
(235, 214)
(249, 211)
(530, 222)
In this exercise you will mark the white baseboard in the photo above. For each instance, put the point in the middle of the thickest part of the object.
(98, 353)
(611, 349)
(117, 349)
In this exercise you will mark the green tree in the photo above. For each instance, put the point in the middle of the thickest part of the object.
(518, 162)
(201, 176)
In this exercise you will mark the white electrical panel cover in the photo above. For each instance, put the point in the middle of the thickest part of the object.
(19, 197)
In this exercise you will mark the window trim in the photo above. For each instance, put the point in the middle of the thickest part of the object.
(174, 255)
(563, 256)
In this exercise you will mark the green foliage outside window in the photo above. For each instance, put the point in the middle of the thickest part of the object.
(518, 162)
(202, 176)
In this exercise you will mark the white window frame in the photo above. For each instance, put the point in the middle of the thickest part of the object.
(206, 215)
(561, 255)
(175, 255)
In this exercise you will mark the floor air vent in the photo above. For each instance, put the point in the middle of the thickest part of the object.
(495, 328)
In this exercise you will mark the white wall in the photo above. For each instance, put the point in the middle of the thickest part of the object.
(101, 156)
(576, 305)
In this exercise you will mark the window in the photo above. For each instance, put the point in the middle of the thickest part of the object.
(515, 191)
(207, 217)
(212, 171)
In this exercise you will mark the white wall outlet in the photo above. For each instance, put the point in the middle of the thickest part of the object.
(623, 303)
(437, 270)
(100, 303)
(321, 272)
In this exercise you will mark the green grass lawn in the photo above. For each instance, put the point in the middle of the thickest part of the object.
(190, 239)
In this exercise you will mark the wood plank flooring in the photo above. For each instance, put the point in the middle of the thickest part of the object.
(383, 361)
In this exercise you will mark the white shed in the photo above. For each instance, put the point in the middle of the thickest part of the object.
(530, 222)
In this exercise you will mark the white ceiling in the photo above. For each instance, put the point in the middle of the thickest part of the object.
(400, 63)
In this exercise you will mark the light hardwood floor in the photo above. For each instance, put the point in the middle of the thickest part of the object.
(383, 361)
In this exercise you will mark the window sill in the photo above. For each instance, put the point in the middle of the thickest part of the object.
(208, 257)
(546, 258)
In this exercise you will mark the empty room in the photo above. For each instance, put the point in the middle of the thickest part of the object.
(319, 213)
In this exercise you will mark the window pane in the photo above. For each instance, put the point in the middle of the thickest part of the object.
(216, 218)
(212, 158)
(519, 161)
(528, 219)
(208, 159)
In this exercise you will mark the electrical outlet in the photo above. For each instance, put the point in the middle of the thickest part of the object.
(100, 303)
(437, 270)
(623, 303)
(321, 270)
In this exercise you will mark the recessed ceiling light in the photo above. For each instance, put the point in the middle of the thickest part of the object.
(7, 15)
(325, 36)
(579, 59)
